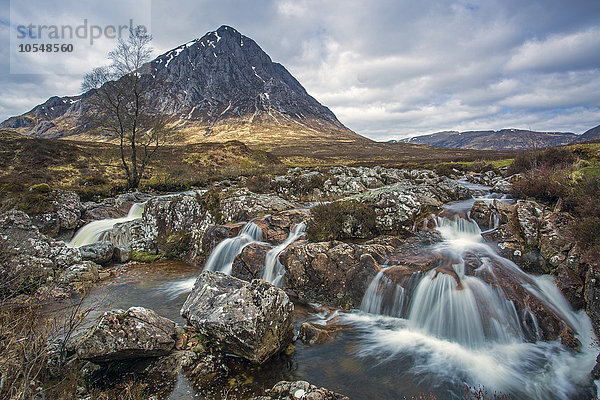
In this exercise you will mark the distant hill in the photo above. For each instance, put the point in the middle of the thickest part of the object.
(591, 134)
(505, 139)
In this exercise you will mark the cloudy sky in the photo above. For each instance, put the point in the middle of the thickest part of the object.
(387, 69)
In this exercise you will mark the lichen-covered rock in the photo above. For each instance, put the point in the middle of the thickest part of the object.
(299, 390)
(332, 273)
(539, 241)
(30, 258)
(134, 333)
(64, 218)
(99, 252)
(113, 207)
(252, 320)
(79, 276)
(245, 205)
(172, 224)
(502, 186)
(400, 205)
(592, 296)
(249, 264)
(276, 227)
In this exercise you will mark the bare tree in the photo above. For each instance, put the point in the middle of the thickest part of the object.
(122, 106)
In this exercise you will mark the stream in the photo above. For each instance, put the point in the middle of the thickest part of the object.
(426, 335)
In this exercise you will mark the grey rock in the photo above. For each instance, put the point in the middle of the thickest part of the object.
(243, 206)
(502, 186)
(134, 333)
(121, 254)
(179, 217)
(25, 251)
(99, 252)
(66, 215)
(85, 272)
(296, 390)
(252, 320)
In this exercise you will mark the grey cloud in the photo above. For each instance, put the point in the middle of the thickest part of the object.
(390, 69)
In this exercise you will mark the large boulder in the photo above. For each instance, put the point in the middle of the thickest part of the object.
(28, 258)
(399, 206)
(99, 252)
(172, 225)
(332, 273)
(128, 334)
(297, 390)
(64, 217)
(245, 205)
(113, 207)
(539, 241)
(249, 319)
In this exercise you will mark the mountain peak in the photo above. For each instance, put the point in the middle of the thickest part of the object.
(219, 86)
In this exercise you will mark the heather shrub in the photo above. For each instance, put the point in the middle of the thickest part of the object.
(342, 220)
(259, 183)
(545, 184)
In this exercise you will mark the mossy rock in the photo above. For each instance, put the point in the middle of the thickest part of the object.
(41, 188)
(144, 256)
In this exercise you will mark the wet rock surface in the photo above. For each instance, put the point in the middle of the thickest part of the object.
(249, 319)
(128, 334)
(113, 207)
(539, 241)
(333, 273)
(100, 252)
(277, 227)
(313, 333)
(286, 390)
(249, 264)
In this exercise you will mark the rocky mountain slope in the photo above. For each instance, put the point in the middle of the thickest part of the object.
(505, 139)
(591, 134)
(219, 87)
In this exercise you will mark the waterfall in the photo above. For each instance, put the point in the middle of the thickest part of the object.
(222, 257)
(383, 296)
(93, 231)
(457, 325)
(274, 271)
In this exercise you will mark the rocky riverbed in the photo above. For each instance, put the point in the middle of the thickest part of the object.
(404, 236)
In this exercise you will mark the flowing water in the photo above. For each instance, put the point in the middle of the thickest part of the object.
(222, 257)
(449, 335)
(274, 271)
(434, 332)
(93, 231)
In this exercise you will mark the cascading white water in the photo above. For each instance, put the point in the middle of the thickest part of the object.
(274, 270)
(383, 296)
(93, 231)
(459, 328)
(222, 257)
